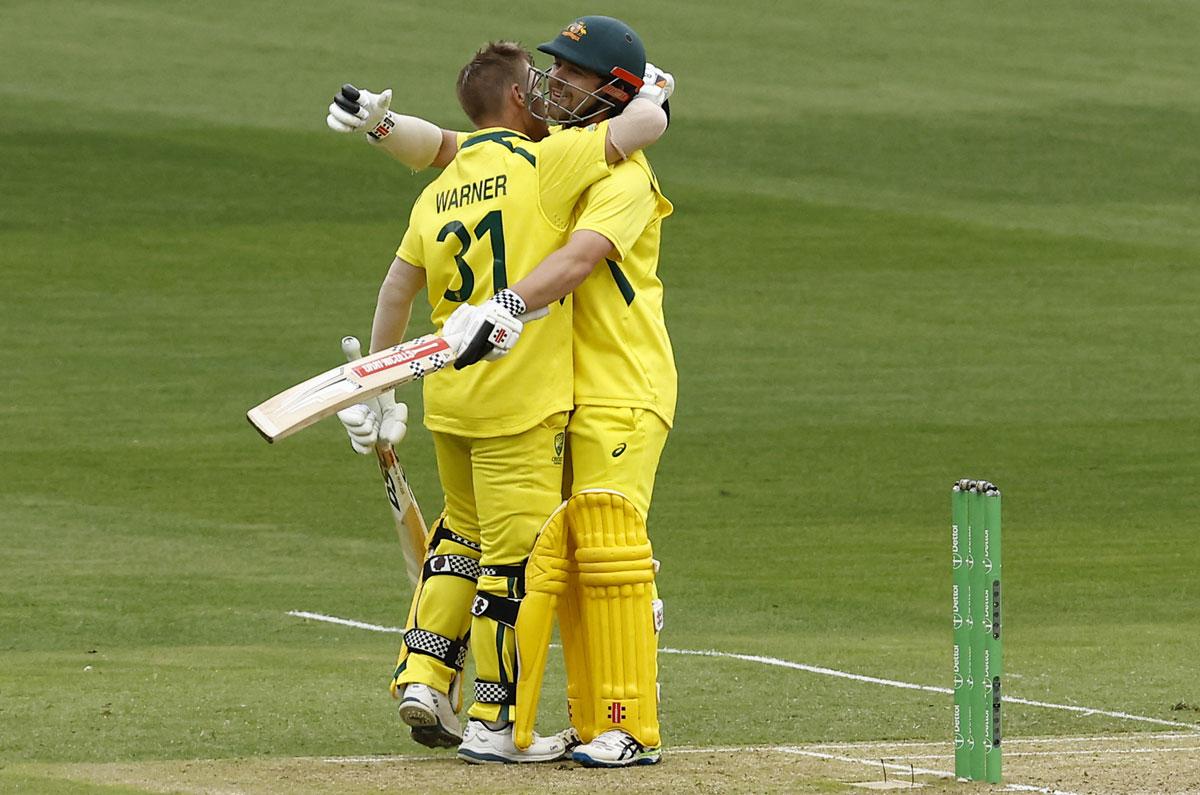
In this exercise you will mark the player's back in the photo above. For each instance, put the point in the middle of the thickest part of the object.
(489, 218)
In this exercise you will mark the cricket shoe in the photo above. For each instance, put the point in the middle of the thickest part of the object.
(570, 738)
(482, 744)
(615, 748)
(431, 717)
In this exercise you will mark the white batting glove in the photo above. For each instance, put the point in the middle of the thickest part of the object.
(378, 420)
(358, 110)
(657, 85)
(487, 331)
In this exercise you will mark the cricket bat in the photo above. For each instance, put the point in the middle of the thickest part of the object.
(410, 525)
(300, 406)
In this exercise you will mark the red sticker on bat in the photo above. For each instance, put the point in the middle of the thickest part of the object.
(405, 356)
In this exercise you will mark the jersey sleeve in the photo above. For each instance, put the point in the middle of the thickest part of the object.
(411, 250)
(568, 162)
(620, 206)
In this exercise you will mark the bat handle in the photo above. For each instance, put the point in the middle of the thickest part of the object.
(351, 348)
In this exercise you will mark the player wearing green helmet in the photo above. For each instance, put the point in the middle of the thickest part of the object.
(599, 66)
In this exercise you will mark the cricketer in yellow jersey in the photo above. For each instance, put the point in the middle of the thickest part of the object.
(625, 393)
(493, 213)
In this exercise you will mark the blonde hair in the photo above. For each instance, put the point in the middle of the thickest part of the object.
(483, 81)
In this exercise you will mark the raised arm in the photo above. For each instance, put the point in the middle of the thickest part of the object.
(413, 141)
(644, 120)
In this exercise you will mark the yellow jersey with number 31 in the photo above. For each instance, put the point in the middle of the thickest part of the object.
(623, 354)
(501, 206)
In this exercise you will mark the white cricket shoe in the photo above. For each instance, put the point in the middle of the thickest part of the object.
(615, 748)
(431, 716)
(482, 744)
(569, 737)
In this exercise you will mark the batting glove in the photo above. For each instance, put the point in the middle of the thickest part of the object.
(488, 331)
(381, 420)
(657, 85)
(359, 110)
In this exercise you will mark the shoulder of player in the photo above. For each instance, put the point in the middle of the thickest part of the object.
(436, 185)
(562, 139)
(637, 163)
(629, 176)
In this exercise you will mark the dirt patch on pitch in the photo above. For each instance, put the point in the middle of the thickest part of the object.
(1130, 764)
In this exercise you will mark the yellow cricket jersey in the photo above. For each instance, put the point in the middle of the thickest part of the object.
(489, 218)
(623, 355)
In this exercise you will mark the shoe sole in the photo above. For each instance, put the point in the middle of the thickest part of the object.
(484, 758)
(435, 737)
(426, 729)
(642, 759)
(417, 715)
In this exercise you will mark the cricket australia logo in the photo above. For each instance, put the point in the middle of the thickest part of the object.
(575, 31)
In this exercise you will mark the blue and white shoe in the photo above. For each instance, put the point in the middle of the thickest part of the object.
(615, 748)
(481, 744)
(431, 716)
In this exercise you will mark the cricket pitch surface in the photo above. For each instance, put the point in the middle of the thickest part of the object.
(1162, 763)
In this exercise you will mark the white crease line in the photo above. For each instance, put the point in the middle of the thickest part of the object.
(1075, 752)
(1085, 711)
(346, 622)
(815, 669)
(926, 688)
(1010, 741)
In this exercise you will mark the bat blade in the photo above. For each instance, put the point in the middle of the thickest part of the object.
(329, 392)
(410, 525)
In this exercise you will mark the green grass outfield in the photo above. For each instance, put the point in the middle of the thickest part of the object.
(912, 242)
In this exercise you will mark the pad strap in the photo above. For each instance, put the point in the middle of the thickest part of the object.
(452, 653)
(456, 565)
(495, 693)
(443, 533)
(516, 570)
(503, 609)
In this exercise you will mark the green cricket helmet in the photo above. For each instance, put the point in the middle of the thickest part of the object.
(605, 46)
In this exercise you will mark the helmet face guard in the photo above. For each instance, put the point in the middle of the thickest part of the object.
(611, 96)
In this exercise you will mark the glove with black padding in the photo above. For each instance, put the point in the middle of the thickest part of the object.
(359, 110)
(488, 331)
